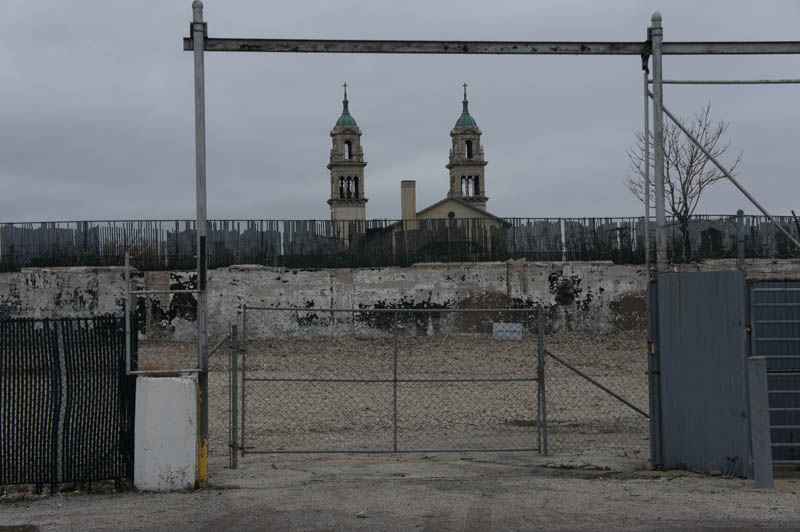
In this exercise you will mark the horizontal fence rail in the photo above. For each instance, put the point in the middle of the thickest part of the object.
(171, 244)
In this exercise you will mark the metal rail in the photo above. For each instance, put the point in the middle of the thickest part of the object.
(727, 81)
(395, 310)
(588, 378)
(357, 46)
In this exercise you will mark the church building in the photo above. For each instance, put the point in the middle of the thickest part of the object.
(346, 165)
(466, 196)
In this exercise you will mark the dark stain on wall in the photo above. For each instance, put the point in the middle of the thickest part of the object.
(409, 323)
(566, 289)
(631, 312)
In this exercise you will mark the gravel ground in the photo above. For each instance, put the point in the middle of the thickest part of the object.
(427, 492)
(581, 418)
(596, 478)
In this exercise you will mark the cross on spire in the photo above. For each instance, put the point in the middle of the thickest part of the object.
(345, 89)
(465, 92)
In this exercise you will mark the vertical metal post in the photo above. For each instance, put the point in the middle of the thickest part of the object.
(646, 175)
(541, 377)
(58, 325)
(654, 376)
(198, 28)
(657, 33)
(234, 369)
(127, 313)
(759, 422)
(244, 374)
(740, 238)
(395, 381)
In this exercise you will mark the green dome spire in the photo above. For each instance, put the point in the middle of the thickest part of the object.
(465, 119)
(346, 119)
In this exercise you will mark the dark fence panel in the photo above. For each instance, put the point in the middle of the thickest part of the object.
(171, 245)
(66, 405)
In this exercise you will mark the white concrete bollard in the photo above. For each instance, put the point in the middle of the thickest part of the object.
(165, 439)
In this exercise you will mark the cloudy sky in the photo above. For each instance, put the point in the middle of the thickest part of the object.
(97, 120)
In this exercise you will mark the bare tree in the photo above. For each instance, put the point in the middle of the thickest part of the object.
(687, 170)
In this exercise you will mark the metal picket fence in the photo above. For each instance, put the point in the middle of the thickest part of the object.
(66, 405)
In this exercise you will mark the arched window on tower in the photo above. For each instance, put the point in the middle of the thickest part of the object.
(469, 149)
(349, 187)
(463, 185)
(476, 189)
(341, 186)
(355, 187)
(348, 149)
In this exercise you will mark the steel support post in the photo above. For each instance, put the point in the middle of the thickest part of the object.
(127, 313)
(654, 376)
(243, 350)
(198, 36)
(540, 376)
(759, 422)
(234, 370)
(657, 34)
(394, 366)
(740, 238)
(646, 155)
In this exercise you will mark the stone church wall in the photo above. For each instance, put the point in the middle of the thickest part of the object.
(588, 296)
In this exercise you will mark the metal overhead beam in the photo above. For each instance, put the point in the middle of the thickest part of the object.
(416, 47)
(490, 47)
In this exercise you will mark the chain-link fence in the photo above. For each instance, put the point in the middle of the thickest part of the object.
(66, 404)
(392, 380)
(597, 401)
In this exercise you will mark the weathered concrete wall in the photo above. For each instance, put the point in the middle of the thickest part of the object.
(596, 296)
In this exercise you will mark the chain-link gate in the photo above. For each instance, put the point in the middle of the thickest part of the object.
(428, 379)
(390, 380)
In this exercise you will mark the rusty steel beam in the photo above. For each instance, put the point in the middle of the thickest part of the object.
(491, 47)
(417, 47)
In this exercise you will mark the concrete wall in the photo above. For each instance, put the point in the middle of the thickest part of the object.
(594, 296)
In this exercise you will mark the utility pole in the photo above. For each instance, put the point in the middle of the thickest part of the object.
(198, 28)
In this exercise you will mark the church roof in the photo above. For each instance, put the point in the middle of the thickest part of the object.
(480, 213)
(346, 119)
(465, 119)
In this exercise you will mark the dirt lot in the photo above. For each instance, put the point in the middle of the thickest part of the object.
(595, 478)
(321, 416)
(427, 492)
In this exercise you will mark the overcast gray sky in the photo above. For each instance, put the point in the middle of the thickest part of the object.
(97, 120)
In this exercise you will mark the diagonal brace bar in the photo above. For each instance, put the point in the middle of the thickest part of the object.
(729, 176)
(588, 378)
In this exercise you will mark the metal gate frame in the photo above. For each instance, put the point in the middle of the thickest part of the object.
(238, 415)
(779, 404)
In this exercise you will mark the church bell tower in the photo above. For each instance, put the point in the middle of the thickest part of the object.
(466, 163)
(347, 164)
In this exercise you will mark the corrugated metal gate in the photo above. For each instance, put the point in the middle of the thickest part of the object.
(775, 319)
(703, 356)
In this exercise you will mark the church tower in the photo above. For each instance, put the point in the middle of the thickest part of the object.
(347, 169)
(466, 163)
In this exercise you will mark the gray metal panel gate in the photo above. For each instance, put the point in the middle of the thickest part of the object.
(775, 319)
(703, 346)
